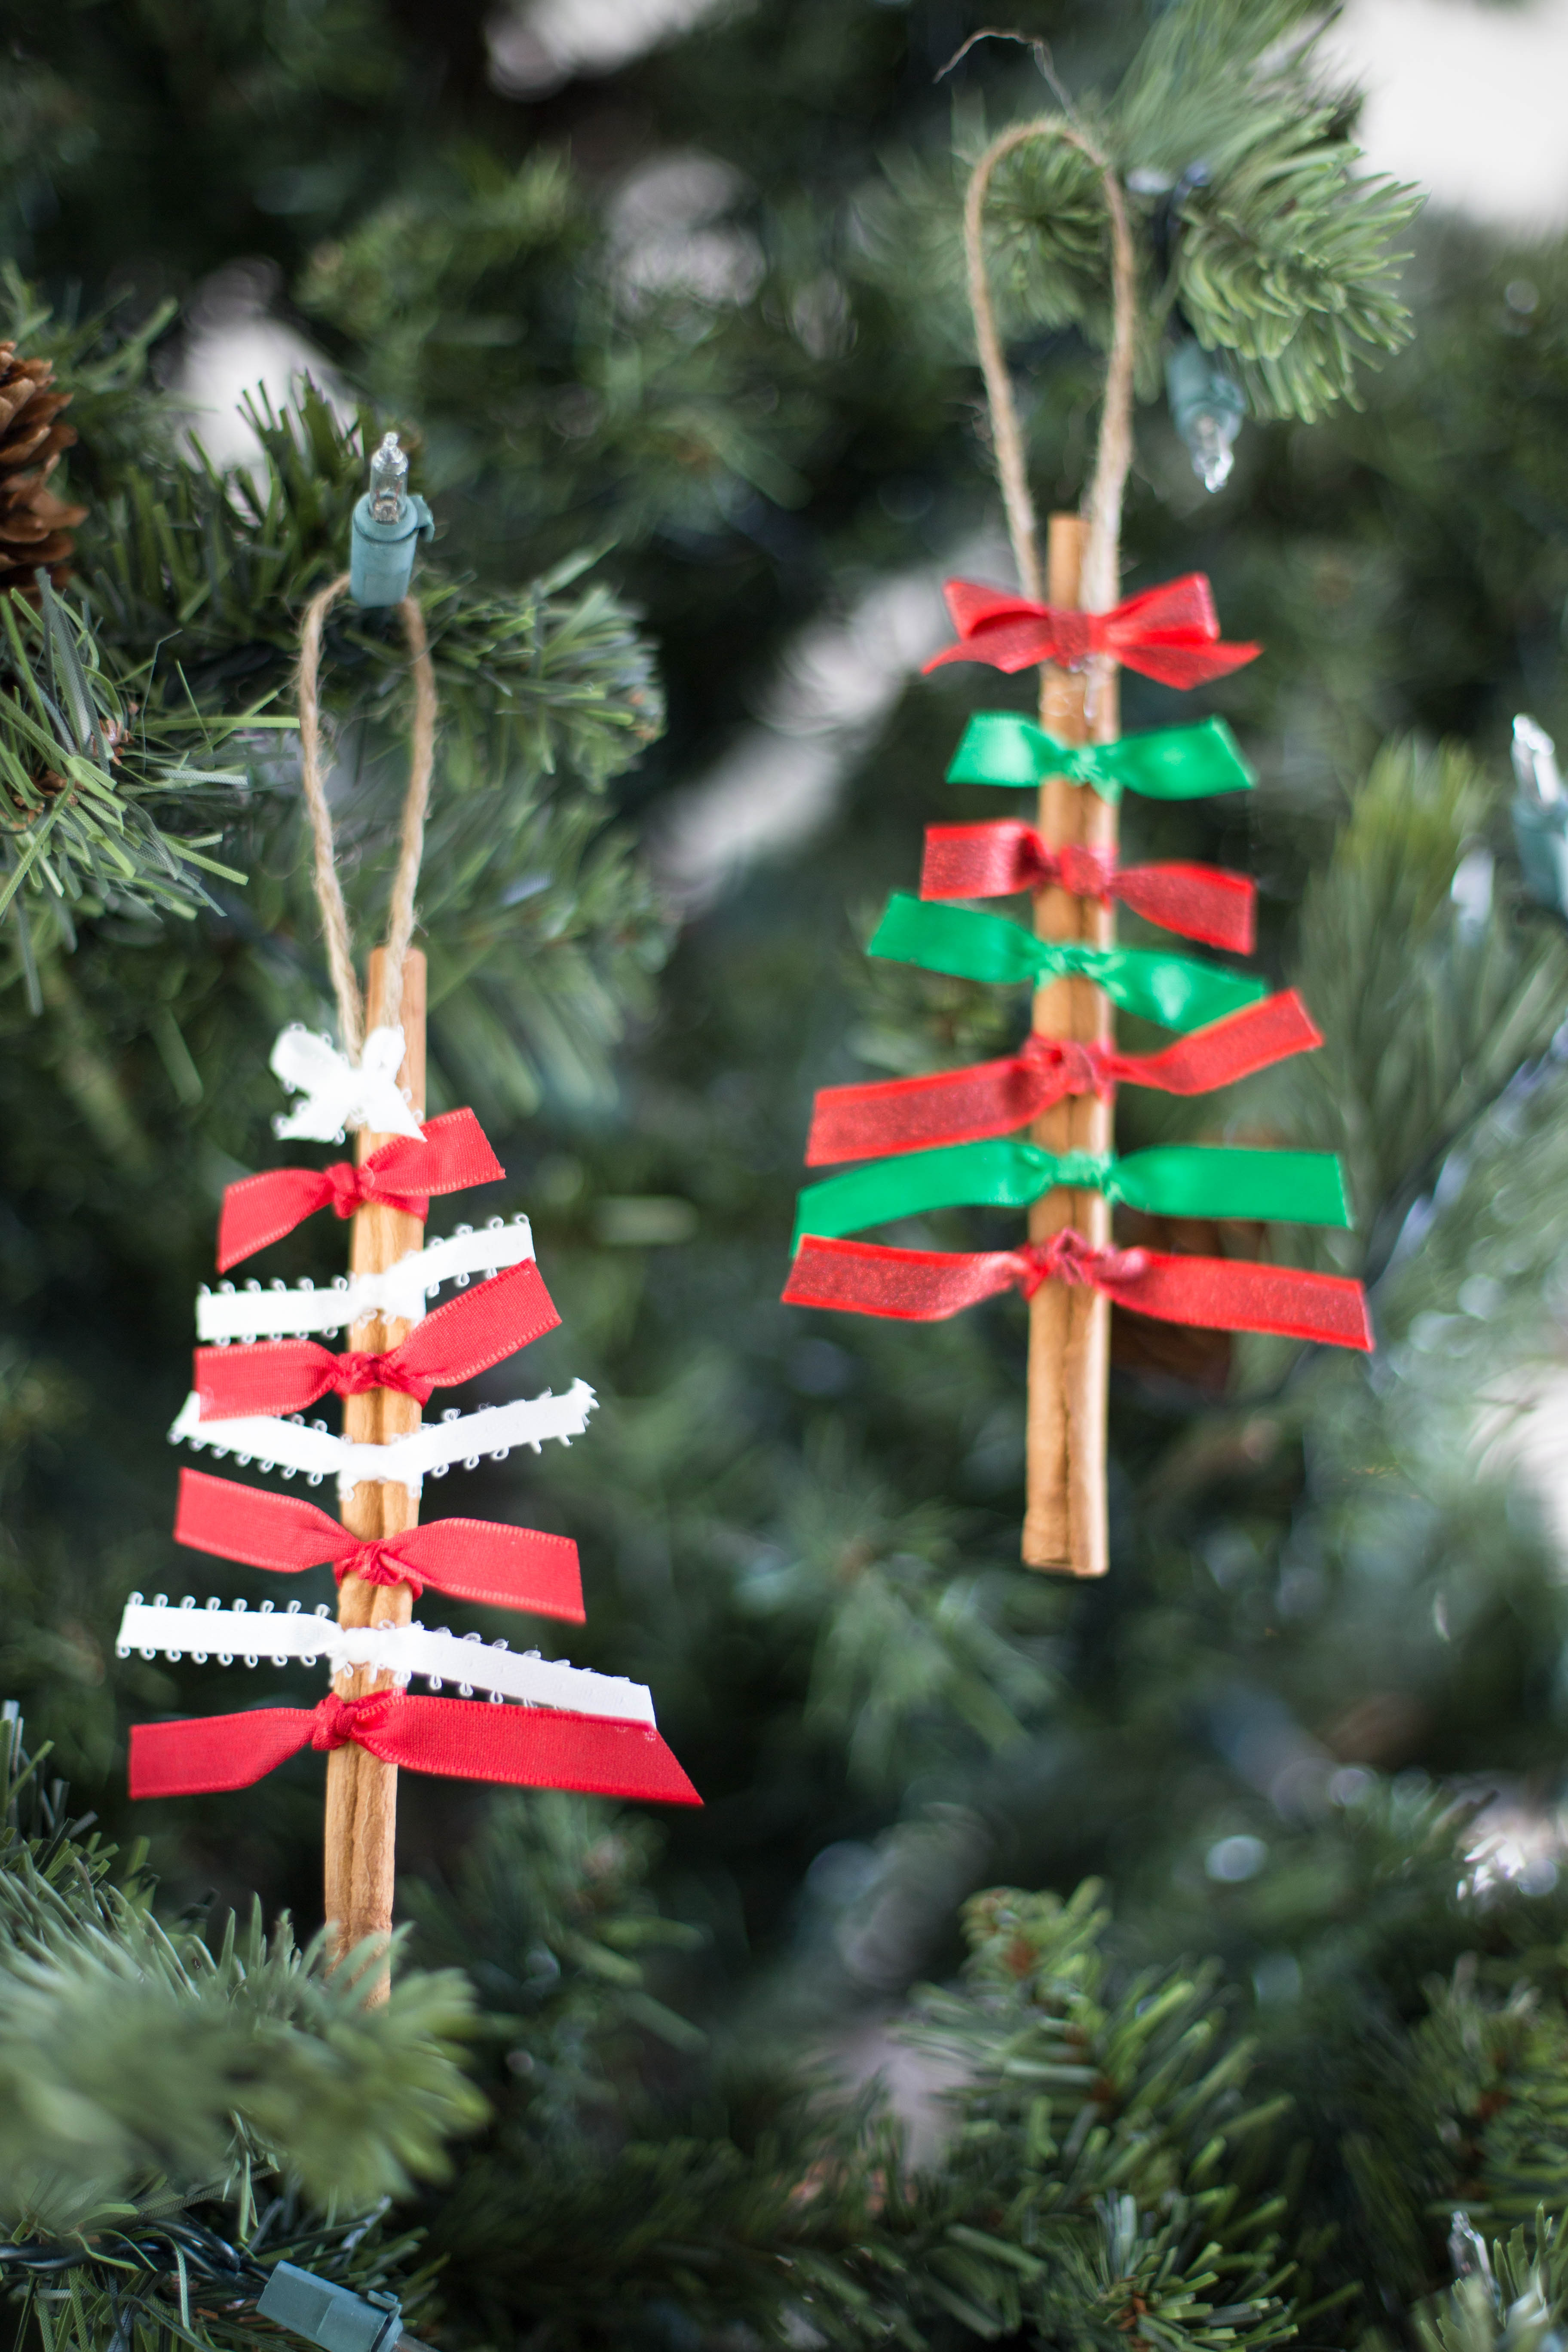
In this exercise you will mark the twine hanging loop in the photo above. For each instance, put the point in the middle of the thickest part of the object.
(1113, 456)
(400, 914)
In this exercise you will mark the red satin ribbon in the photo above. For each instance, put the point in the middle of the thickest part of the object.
(451, 1155)
(991, 861)
(1169, 632)
(462, 1739)
(1219, 1294)
(471, 1559)
(998, 1097)
(464, 1337)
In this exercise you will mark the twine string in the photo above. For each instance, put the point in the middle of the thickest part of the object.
(400, 914)
(1114, 451)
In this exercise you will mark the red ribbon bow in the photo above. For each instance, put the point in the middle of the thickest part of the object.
(451, 1155)
(1169, 632)
(471, 1560)
(464, 1337)
(991, 861)
(462, 1739)
(1067, 1258)
(1219, 1294)
(998, 1097)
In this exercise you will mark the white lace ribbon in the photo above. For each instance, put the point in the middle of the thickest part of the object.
(337, 1095)
(437, 1656)
(252, 1313)
(467, 1437)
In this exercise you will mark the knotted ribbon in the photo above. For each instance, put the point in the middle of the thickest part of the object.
(451, 1155)
(1219, 1294)
(991, 861)
(460, 1740)
(899, 1115)
(464, 1337)
(1172, 990)
(1169, 632)
(340, 1094)
(1173, 1180)
(1172, 763)
(471, 1559)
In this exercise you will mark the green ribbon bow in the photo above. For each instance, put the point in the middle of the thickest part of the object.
(1173, 990)
(1174, 1180)
(1176, 764)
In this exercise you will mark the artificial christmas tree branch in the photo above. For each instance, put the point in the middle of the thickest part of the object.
(1065, 1516)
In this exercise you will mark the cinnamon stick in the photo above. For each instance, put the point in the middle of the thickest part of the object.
(362, 1791)
(1069, 1330)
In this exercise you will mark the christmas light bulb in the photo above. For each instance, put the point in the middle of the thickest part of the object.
(1207, 405)
(1540, 815)
(1535, 760)
(388, 479)
(387, 523)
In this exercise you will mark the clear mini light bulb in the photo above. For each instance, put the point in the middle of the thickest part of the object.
(388, 521)
(388, 479)
(1540, 815)
(1207, 405)
(1535, 760)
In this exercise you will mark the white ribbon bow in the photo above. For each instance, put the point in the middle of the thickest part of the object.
(337, 1096)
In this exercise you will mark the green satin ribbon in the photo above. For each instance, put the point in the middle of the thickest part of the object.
(1177, 763)
(1174, 1180)
(1173, 990)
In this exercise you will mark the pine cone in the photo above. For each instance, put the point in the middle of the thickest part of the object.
(35, 525)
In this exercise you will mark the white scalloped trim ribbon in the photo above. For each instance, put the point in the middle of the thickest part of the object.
(431, 1450)
(339, 1096)
(252, 1313)
(437, 1656)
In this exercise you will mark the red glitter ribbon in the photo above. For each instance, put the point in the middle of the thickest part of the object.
(464, 1337)
(1216, 1293)
(1169, 632)
(462, 1739)
(451, 1155)
(471, 1559)
(991, 861)
(998, 1097)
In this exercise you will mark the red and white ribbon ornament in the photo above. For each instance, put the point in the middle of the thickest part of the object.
(567, 1728)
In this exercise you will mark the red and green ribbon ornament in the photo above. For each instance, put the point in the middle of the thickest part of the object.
(950, 1140)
